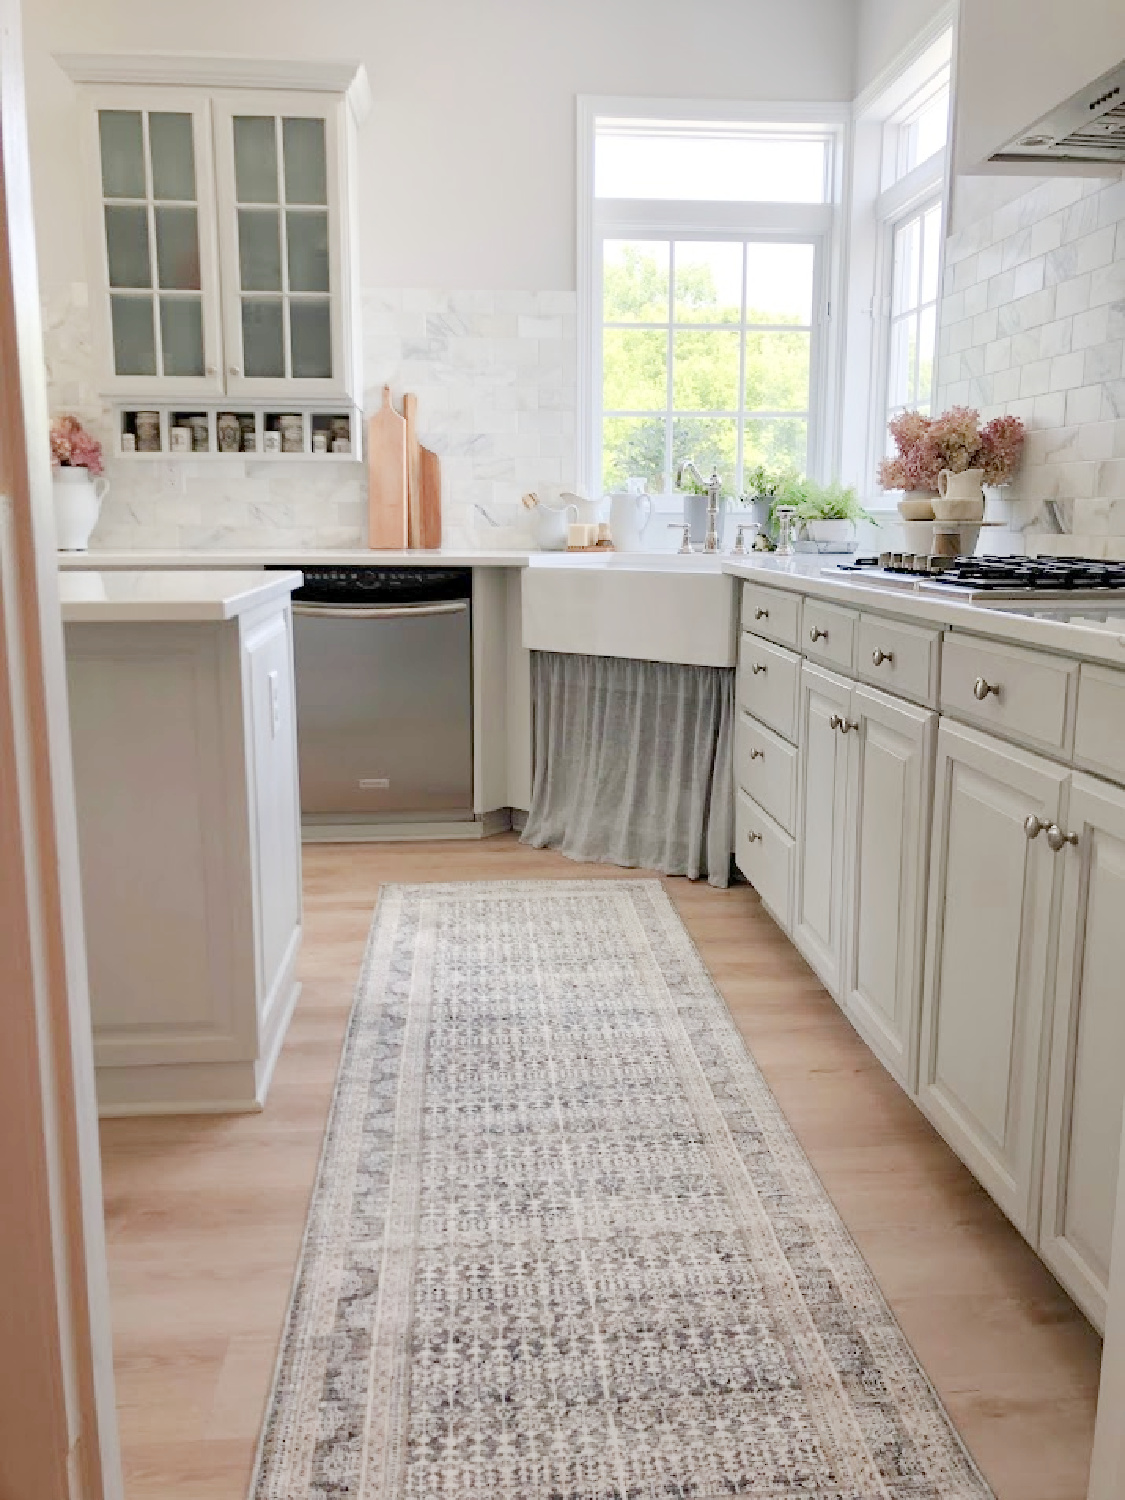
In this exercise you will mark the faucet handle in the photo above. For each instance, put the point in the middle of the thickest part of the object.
(740, 549)
(685, 545)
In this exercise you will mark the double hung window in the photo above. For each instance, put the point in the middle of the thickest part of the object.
(706, 295)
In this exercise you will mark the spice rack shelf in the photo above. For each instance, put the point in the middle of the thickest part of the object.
(287, 434)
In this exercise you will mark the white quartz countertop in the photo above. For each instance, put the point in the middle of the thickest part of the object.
(265, 557)
(150, 594)
(1092, 638)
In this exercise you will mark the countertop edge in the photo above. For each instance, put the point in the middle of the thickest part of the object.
(217, 609)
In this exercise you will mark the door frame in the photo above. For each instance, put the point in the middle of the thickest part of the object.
(58, 1430)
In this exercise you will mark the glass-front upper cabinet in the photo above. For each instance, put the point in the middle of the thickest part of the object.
(218, 243)
(280, 239)
(157, 308)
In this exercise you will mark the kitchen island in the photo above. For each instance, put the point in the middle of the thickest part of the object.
(184, 737)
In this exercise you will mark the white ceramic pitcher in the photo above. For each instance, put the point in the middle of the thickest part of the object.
(960, 497)
(625, 525)
(549, 524)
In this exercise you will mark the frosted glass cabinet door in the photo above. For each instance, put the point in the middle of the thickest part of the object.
(281, 256)
(159, 303)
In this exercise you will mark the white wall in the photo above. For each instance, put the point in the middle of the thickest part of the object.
(884, 28)
(467, 161)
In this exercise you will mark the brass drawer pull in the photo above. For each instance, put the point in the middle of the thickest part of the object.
(1033, 826)
(816, 634)
(753, 838)
(757, 755)
(845, 726)
(758, 666)
(878, 656)
(981, 689)
(761, 614)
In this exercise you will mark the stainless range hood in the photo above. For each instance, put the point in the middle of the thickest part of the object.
(1089, 127)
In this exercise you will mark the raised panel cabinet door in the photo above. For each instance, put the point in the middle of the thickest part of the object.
(889, 827)
(1086, 1091)
(275, 805)
(818, 928)
(992, 897)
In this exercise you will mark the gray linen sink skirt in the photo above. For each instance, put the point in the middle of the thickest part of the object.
(632, 763)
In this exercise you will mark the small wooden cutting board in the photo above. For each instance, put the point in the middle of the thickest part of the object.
(386, 478)
(429, 502)
(413, 471)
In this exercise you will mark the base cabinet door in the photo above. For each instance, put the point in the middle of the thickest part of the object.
(1086, 1090)
(818, 919)
(992, 890)
(889, 827)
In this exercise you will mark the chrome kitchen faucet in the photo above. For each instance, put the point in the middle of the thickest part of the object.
(714, 488)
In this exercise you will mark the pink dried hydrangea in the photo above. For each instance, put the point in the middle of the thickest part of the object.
(1001, 447)
(954, 441)
(72, 447)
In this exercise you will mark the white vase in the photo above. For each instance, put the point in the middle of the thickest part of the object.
(960, 496)
(78, 500)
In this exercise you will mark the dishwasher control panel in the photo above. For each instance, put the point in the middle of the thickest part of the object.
(360, 585)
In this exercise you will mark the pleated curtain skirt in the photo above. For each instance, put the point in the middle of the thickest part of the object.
(632, 763)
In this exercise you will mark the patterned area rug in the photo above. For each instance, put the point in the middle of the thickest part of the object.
(563, 1245)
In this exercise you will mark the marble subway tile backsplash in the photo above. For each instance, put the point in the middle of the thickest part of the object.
(495, 375)
(1033, 323)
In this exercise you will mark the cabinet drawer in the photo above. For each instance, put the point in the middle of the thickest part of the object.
(1024, 694)
(765, 767)
(764, 854)
(827, 632)
(771, 613)
(768, 684)
(900, 658)
(1099, 734)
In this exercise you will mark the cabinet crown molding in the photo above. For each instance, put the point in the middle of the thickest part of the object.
(200, 70)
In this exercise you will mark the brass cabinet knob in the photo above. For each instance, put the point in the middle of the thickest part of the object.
(1058, 839)
(1033, 826)
(761, 614)
(981, 689)
(757, 755)
(816, 634)
(753, 838)
(758, 666)
(878, 657)
(835, 721)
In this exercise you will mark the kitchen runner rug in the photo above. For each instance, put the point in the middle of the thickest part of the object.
(563, 1245)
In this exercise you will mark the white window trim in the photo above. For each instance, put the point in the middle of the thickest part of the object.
(873, 213)
(617, 218)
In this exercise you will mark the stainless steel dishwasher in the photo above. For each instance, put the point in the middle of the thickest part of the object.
(384, 694)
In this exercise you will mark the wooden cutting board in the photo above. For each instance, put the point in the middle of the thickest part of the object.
(386, 478)
(429, 504)
(413, 471)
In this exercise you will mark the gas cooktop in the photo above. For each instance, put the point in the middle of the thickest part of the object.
(986, 580)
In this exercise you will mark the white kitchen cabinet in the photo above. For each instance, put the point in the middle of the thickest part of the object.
(818, 919)
(1087, 1071)
(185, 757)
(993, 885)
(220, 259)
(885, 893)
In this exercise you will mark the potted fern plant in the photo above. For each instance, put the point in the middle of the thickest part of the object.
(830, 512)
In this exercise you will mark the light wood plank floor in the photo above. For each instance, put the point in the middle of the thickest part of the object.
(204, 1215)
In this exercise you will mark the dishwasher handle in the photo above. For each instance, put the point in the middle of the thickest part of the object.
(380, 611)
